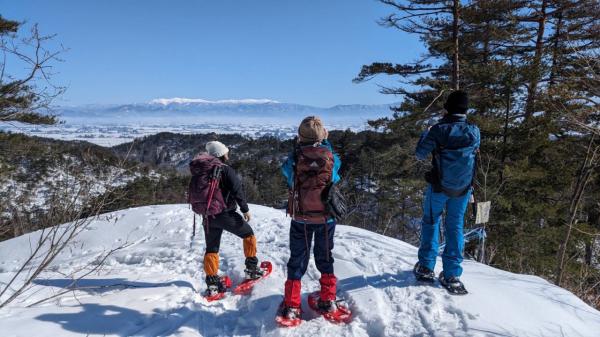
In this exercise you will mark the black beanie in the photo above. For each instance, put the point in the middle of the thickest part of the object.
(457, 102)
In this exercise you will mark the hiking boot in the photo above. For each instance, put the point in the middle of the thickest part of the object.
(252, 270)
(211, 291)
(423, 274)
(453, 285)
(327, 306)
(254, 274)
(214, 285)
(291, 313)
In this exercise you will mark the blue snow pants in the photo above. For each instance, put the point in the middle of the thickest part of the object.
(433, 206)
(301, 237)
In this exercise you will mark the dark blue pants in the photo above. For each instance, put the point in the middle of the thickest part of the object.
(301, 236)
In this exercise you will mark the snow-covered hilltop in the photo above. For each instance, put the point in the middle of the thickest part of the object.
(151, 287)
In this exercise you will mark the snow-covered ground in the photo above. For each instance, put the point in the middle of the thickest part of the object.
(151, 287)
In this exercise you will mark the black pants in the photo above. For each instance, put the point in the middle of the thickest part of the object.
(230, 221)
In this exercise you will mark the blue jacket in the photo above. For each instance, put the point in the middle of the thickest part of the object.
(288, 166)
(454, 143)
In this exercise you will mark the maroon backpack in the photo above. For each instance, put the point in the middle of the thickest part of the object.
(314, 167)
(204, 193)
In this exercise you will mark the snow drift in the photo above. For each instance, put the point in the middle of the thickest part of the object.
(151, 287)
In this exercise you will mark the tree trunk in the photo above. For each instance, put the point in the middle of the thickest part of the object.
(583, 178)
(507, 102)
(455, 56)
(536, 63)
(485, 59)
(589, 252)
(555, 52)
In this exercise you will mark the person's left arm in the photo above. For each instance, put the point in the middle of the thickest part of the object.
(337, 163)
(477, 138)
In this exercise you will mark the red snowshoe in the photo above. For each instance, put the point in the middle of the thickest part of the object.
(246, 286)
(335, 311)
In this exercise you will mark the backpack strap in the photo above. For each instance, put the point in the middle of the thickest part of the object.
(292, 197)
(436, 162)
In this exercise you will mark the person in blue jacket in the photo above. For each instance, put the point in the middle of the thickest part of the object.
(309, 170)
(453, 143)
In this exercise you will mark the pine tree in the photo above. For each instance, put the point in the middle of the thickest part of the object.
(438, 24)
(529, 69)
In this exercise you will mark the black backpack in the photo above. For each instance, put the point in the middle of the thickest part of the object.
(334, 201)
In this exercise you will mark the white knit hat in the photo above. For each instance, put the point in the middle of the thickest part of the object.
(216, 149)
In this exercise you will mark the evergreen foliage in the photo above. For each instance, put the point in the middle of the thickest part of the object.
(532, 73)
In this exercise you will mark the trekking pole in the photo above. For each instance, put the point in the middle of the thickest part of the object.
(482, 256)
(193, 232)
(194, 227)
(211, 192)
(214, 180)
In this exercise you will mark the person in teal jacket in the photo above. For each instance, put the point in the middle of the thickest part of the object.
(309, 168)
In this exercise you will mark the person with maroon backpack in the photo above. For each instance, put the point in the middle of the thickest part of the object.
(215, 192)
(310, 170)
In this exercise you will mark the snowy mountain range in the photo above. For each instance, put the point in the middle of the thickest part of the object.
(179, 100)
(151, 287)
(189, 110)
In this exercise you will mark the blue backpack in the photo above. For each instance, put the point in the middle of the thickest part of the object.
(455, 161)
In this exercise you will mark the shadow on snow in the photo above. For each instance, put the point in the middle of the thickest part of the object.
(254, 318)
(250, 317)
(101, 285)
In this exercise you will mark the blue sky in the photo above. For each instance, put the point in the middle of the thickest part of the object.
(123, 51)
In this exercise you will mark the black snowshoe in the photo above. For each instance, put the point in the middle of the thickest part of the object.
(453, 285)
(423, 274)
